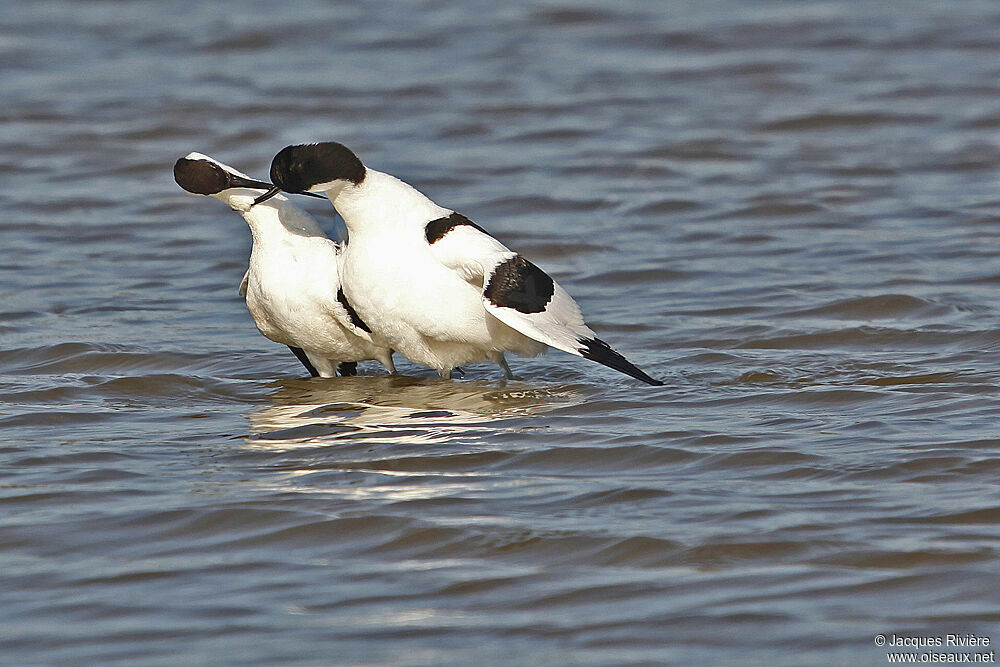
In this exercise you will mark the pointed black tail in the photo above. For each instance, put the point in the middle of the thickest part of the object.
(597, 350)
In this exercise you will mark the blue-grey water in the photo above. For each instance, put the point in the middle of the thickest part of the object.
(789, 211)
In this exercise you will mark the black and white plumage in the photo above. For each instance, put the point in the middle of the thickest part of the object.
(429, 282)
(292, 286)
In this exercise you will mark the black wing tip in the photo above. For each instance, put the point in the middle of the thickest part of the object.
(597, 350)
(347, 368)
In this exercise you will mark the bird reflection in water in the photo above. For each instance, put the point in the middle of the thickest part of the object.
(382, 409)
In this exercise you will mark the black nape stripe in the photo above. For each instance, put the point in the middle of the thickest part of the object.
(300, 354)
(597, 350)
(436, 229)
(517, 283)
(355, 320)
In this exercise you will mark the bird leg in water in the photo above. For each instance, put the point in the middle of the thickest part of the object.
(505, 368)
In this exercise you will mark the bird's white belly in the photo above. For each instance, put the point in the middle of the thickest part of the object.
(293, 312)
(274, 316)
(426, 311)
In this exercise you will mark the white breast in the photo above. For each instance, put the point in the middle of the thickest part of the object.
(417, 305)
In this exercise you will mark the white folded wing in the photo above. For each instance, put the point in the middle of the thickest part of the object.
(476, 256)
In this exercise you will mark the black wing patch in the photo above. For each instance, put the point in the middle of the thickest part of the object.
(597, 350)
(517, 283)
(300, 354)
(355, 320)
(436, 229)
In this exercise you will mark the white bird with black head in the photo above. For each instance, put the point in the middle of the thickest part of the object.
(428, 281)
(292, 286)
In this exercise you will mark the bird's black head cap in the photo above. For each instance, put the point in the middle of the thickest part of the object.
(298, 168)
(200, 177)
(204, 177)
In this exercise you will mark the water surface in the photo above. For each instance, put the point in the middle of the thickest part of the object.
(787, 211)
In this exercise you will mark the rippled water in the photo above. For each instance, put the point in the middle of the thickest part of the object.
(788, 211)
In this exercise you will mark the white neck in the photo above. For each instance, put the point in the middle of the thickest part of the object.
(276, 217)
(382, 203)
